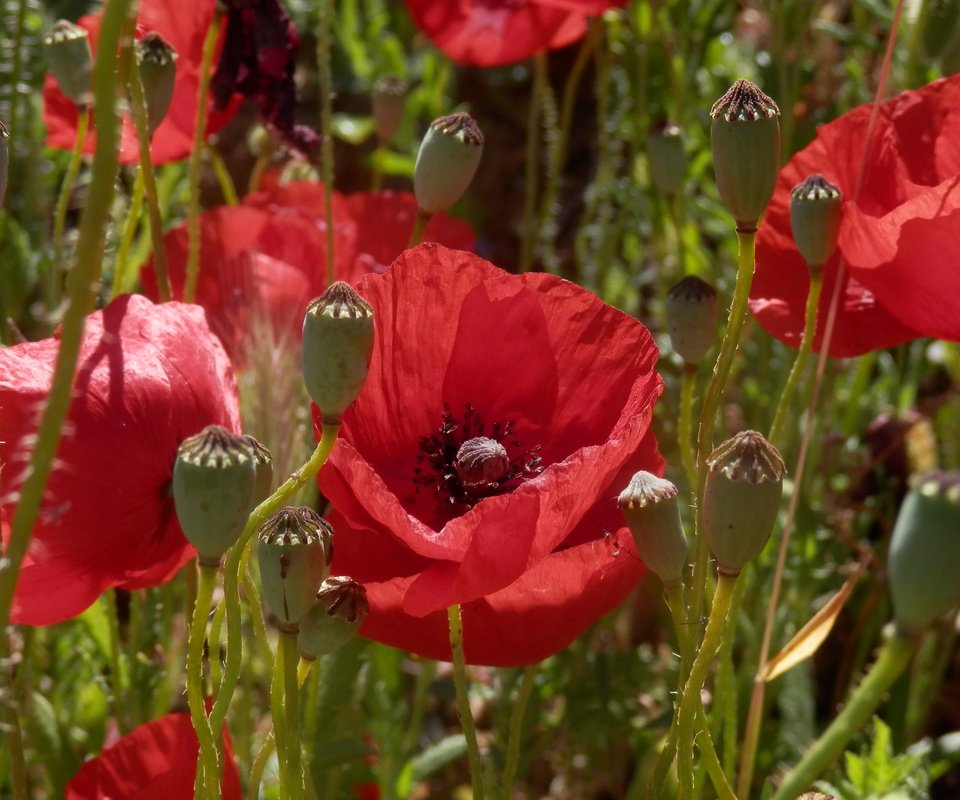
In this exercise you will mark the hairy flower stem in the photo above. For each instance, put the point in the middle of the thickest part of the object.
(516, 729)
(278, 715)
(419, 225)
(325, 76)
(82, 284)
(139, 108)
(196, 161)
(800, 362)
(291, 702)
(690, 705)
(126, 237)
(532, 163)
(746, 241)
(463, 702)
(60, 210)
(208, 767)
(894, 657)
(224, 180)
(685, 425)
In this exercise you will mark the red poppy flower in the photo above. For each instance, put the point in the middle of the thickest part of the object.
(157, 761)
(148, 377)
(493, 33)
(184, 24)
(267, 257)
(898, 240)
(558, 390)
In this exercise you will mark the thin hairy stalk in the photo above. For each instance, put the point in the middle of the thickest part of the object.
(117, 683)
(419, 225)
(126, 237)
(278, 714)
(208, 768)
(224, 179)
(63, 203)
(685, 424)
(291, 703)
(325, 77)
(531, 181)
(516, 728)
(463, 702)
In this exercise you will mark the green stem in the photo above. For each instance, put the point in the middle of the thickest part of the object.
(224, 179)
(379, 156)
(894, 658)
(291, 700)
(325, 77)
(207, 764)
(117, 684)
(516, 729)
(746, 249)
(685, 424)
(690, 697)
(708, 754)
(304, 668)
(260, 763)
(419, 225)
(463, 702)
(532, 163)
(421, 693)
(213, 644)
(259, 167)
(196, 161)
(63, 203)
(278, 713)
(800, 362)
(126, 238)
(139, 107)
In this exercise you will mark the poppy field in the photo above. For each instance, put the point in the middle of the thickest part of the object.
(492, 399)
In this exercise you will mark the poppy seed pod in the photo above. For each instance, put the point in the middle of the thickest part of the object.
(448, 159)
(652, 511)
(334, 619)
(816, 206)
(67, 50)
(692, 316)
(263, 463)
(157, 62)
(4, 162)
(741, 499)
(295, 550)
(925, 551)
(389, 106)
(666, 158)
(213, 481)
(337, 345)
(745, 134)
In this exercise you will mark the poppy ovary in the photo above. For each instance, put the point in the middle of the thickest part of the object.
(481, 463)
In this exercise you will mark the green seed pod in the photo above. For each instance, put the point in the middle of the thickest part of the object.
(157, 61)
(692, 317)
(667, 158)
(337, 346)
(67, 50)
(652, 511)
(389, 106)
(213, 480)
(816, 206)
(295, 551)
(746, 150)
(939, 23)
(4, 162)
(741, 499)
(448, 159)
(924, 559)
(334, 619)
(263, 463)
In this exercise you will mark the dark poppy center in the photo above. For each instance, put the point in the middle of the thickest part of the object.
(464, 460)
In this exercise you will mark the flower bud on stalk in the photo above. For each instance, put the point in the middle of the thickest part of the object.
(667, 158)
(692, 317)
(157, 62)
(67, 50)
(652, 511)
(337, 345)
(334, 619)
(263, 463)
(745, 134)
(925, 551)
(213, 483)
(295, 551)
(448, 159)
(389, 106)
(816, 206)
(4, 161)
(741, 499)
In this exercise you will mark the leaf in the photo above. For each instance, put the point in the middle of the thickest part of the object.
(809, 638)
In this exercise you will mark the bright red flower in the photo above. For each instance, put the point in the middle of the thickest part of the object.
(157, 761)
(148, 377)
(184, 24)
(898, 240)
(565, 383)
(267, 256)
(493, 33)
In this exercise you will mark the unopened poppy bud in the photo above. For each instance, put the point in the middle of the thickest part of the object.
(925, 552)
(67, 50)
(692, 316)
(263, 465)
(667, 158)
(816, 206)
(652, 511)
(213, 480)
(448, 159)
(337, 346)
(741, 499)
(157, 61)
(746, 150)
(4, 162)
(295, 550)
(389, 106)
(481, 462)
(333, 621)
